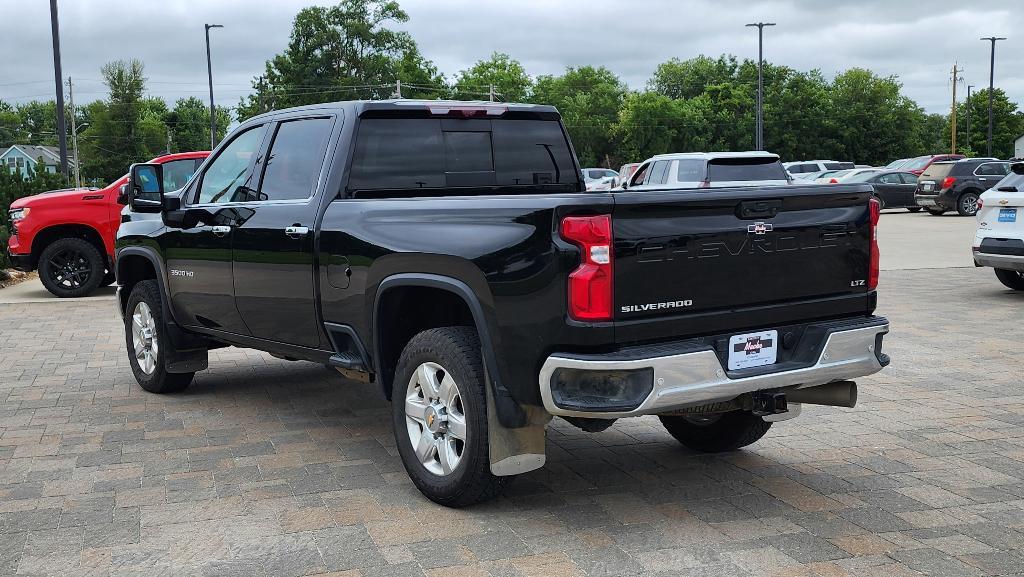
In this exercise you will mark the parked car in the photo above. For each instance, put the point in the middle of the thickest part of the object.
(813, 176)
(69, 234)
(802, 166)
(709, 170)
(999, 239)
(897, 164)
(919, 164)
(957, 185)
(893, 188)
(469, 275)
(843, 175)
(625, 172)
(599, 178)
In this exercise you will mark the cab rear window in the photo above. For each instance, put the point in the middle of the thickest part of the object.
(429, 156)
(741, 169)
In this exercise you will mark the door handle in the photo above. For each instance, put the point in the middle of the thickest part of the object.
(296, 231)
(221, 230)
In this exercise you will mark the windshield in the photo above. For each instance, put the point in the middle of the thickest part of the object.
(862, 176)
(917, 163)
(896, 163)
(937, 170)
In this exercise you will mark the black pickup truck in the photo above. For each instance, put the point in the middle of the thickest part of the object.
(449, 253)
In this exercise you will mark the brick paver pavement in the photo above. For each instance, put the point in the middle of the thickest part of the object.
(266, 467)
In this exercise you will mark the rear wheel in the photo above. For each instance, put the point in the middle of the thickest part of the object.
(914, 208)
(936, 211)
(148, 343)
(716, 433)
(71, 267)
(1011, 278)
(439, 410)
(967, 204)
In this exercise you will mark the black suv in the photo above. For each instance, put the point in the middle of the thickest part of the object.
(957, 185)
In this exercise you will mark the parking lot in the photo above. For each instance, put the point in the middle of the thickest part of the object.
(266, 467)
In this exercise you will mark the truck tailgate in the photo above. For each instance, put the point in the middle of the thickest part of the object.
(704, 261)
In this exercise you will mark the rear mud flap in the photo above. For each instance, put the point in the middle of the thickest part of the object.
(515, 451)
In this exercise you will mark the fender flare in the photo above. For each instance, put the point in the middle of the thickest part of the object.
(161, 276)
(510, 413)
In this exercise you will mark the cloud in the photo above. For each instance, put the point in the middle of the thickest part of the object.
(916, 41)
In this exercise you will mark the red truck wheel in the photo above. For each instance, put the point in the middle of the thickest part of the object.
(71, 267)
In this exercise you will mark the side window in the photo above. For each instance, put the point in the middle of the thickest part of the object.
(889, 179)
(908, 178)
(177, 173)
(295, 159)
(991, 169)
(229, 177)
(640, 174)
(659, 173)
(690, 170)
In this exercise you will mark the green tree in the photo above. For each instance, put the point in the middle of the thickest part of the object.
(342, 52)
(690, 78)
(874, 122)
(38, 122)
(189, 124)
(501, 71)
(121, 130)
(1007, 123)
(589, 99)
(10, 125)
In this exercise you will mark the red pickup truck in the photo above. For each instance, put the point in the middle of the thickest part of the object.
(69, 234)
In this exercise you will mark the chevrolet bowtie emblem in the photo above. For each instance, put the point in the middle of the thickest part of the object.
(759, 227)
(1004, 201)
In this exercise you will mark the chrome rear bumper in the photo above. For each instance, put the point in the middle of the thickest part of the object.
(698, 377)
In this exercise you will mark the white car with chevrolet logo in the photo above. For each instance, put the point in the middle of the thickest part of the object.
(999, 240)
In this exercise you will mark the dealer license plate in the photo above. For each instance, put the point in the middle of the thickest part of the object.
(753, 350)
(1007, 215)
(927, 186)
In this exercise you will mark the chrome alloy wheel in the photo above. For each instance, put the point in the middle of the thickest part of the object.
(435, 419)
(969, 203)
(144, 338)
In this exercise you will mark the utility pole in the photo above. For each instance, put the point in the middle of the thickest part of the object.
(209, 72)
(398, 88)
(74, 134)
(967, 106)
(490, 93)
(759, 121)
(58, 77)
(952, 114)
(991, 87)
(168, 140)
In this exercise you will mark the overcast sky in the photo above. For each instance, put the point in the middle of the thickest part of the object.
(915, 40)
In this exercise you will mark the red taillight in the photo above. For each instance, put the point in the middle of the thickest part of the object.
(833, 181)
(875, 210)
(590, 285)
(948, 182)
(981, 203)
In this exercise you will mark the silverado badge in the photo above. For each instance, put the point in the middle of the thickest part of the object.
(759, 227)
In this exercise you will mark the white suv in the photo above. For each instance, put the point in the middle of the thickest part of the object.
(999, 240)
(709, 170)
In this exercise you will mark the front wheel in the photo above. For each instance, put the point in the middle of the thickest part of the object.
(148, 343)
(967, 204)
(439, 410)
(914, 208)
(71, 267)
(936, 211)
(1011, 279)
(716, 433)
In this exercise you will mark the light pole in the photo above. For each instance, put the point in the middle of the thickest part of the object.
(759, 136)
(62, 139)
(991, 87)
(209, 72)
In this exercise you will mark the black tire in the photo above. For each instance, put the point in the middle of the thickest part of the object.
(108, 279)
(457, 350)
(967, 203)
(158, 380)
(914, 208)
(1011, 279)
(71, 267)
(936, 211)
(723, 432)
